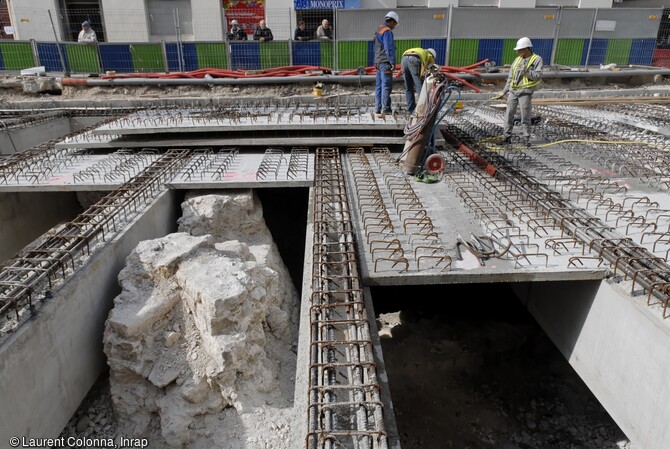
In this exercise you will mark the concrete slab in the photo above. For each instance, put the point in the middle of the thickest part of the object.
(112, 142)
(109, 172)
(284, 119)
(82, 173)
(451, 219)
(205, 172)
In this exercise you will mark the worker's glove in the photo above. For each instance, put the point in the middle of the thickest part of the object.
(433, 69)
(499, 97)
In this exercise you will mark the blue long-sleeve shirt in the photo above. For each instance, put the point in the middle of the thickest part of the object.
(388, 44)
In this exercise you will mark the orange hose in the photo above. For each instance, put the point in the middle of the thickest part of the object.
(74, 81)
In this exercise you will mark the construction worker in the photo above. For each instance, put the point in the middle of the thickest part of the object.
(413, 64)
(384, 47)
(524, 77)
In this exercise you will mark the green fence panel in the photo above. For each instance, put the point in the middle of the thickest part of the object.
(463, 52)
(403, 45)
(83, 58)
(17, 55)
(274, 54)
(618, 51)
(509, 55)
(211, 55)
(327, 54)
(569, 52)
(147, 57)
(351, 55)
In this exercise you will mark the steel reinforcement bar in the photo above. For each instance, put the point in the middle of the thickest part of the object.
(345, 408)
(33, 273)
(647, 270)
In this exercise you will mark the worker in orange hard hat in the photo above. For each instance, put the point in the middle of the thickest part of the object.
(524, 77)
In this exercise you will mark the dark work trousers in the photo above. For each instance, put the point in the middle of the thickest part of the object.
(383, 85)
(411, 72)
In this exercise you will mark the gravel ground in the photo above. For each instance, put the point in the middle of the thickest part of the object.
(468, 375)
(95, 416)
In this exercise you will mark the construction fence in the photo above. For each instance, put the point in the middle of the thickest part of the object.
(461, 36)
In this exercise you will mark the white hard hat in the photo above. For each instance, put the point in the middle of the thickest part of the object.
(524, 42)
(432, 52)
(233, 22)
(393, 15)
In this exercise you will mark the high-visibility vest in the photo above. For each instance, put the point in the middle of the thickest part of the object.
(525, 82)
(426, 58)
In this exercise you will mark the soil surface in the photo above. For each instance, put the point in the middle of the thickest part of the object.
(478, 372)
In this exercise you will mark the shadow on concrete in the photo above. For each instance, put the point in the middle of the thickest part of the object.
(560, 308)
(285, 213)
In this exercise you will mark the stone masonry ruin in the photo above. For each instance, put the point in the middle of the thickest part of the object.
(201, 342)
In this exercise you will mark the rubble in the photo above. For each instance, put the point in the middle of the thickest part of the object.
(202, 337)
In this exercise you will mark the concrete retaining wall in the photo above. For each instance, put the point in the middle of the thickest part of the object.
(26, 216)
(24, 138)
(617, 345)
(48, 366)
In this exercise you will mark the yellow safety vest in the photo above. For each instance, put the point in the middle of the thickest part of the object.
(426, 58)
(525, 82)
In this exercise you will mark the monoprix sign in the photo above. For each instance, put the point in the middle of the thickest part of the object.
(327, 4)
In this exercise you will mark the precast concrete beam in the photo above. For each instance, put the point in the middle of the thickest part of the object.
(49, 364)
(617, 344)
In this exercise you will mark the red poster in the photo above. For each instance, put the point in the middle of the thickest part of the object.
(247, 13)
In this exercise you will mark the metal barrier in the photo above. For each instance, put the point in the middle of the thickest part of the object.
(461, 36)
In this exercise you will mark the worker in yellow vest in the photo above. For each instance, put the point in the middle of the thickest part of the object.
(413, 64)
(524, 77)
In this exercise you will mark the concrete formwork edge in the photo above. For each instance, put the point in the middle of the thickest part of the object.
(617, 345)
(50, 363)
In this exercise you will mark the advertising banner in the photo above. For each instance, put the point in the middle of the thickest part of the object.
(247, 13)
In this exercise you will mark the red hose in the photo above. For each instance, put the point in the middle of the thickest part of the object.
(300, 70)
(288, 71)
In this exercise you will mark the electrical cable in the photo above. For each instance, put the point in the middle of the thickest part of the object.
(557, 142)
(484, 246)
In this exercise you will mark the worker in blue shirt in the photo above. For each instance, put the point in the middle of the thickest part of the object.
(384, 47)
